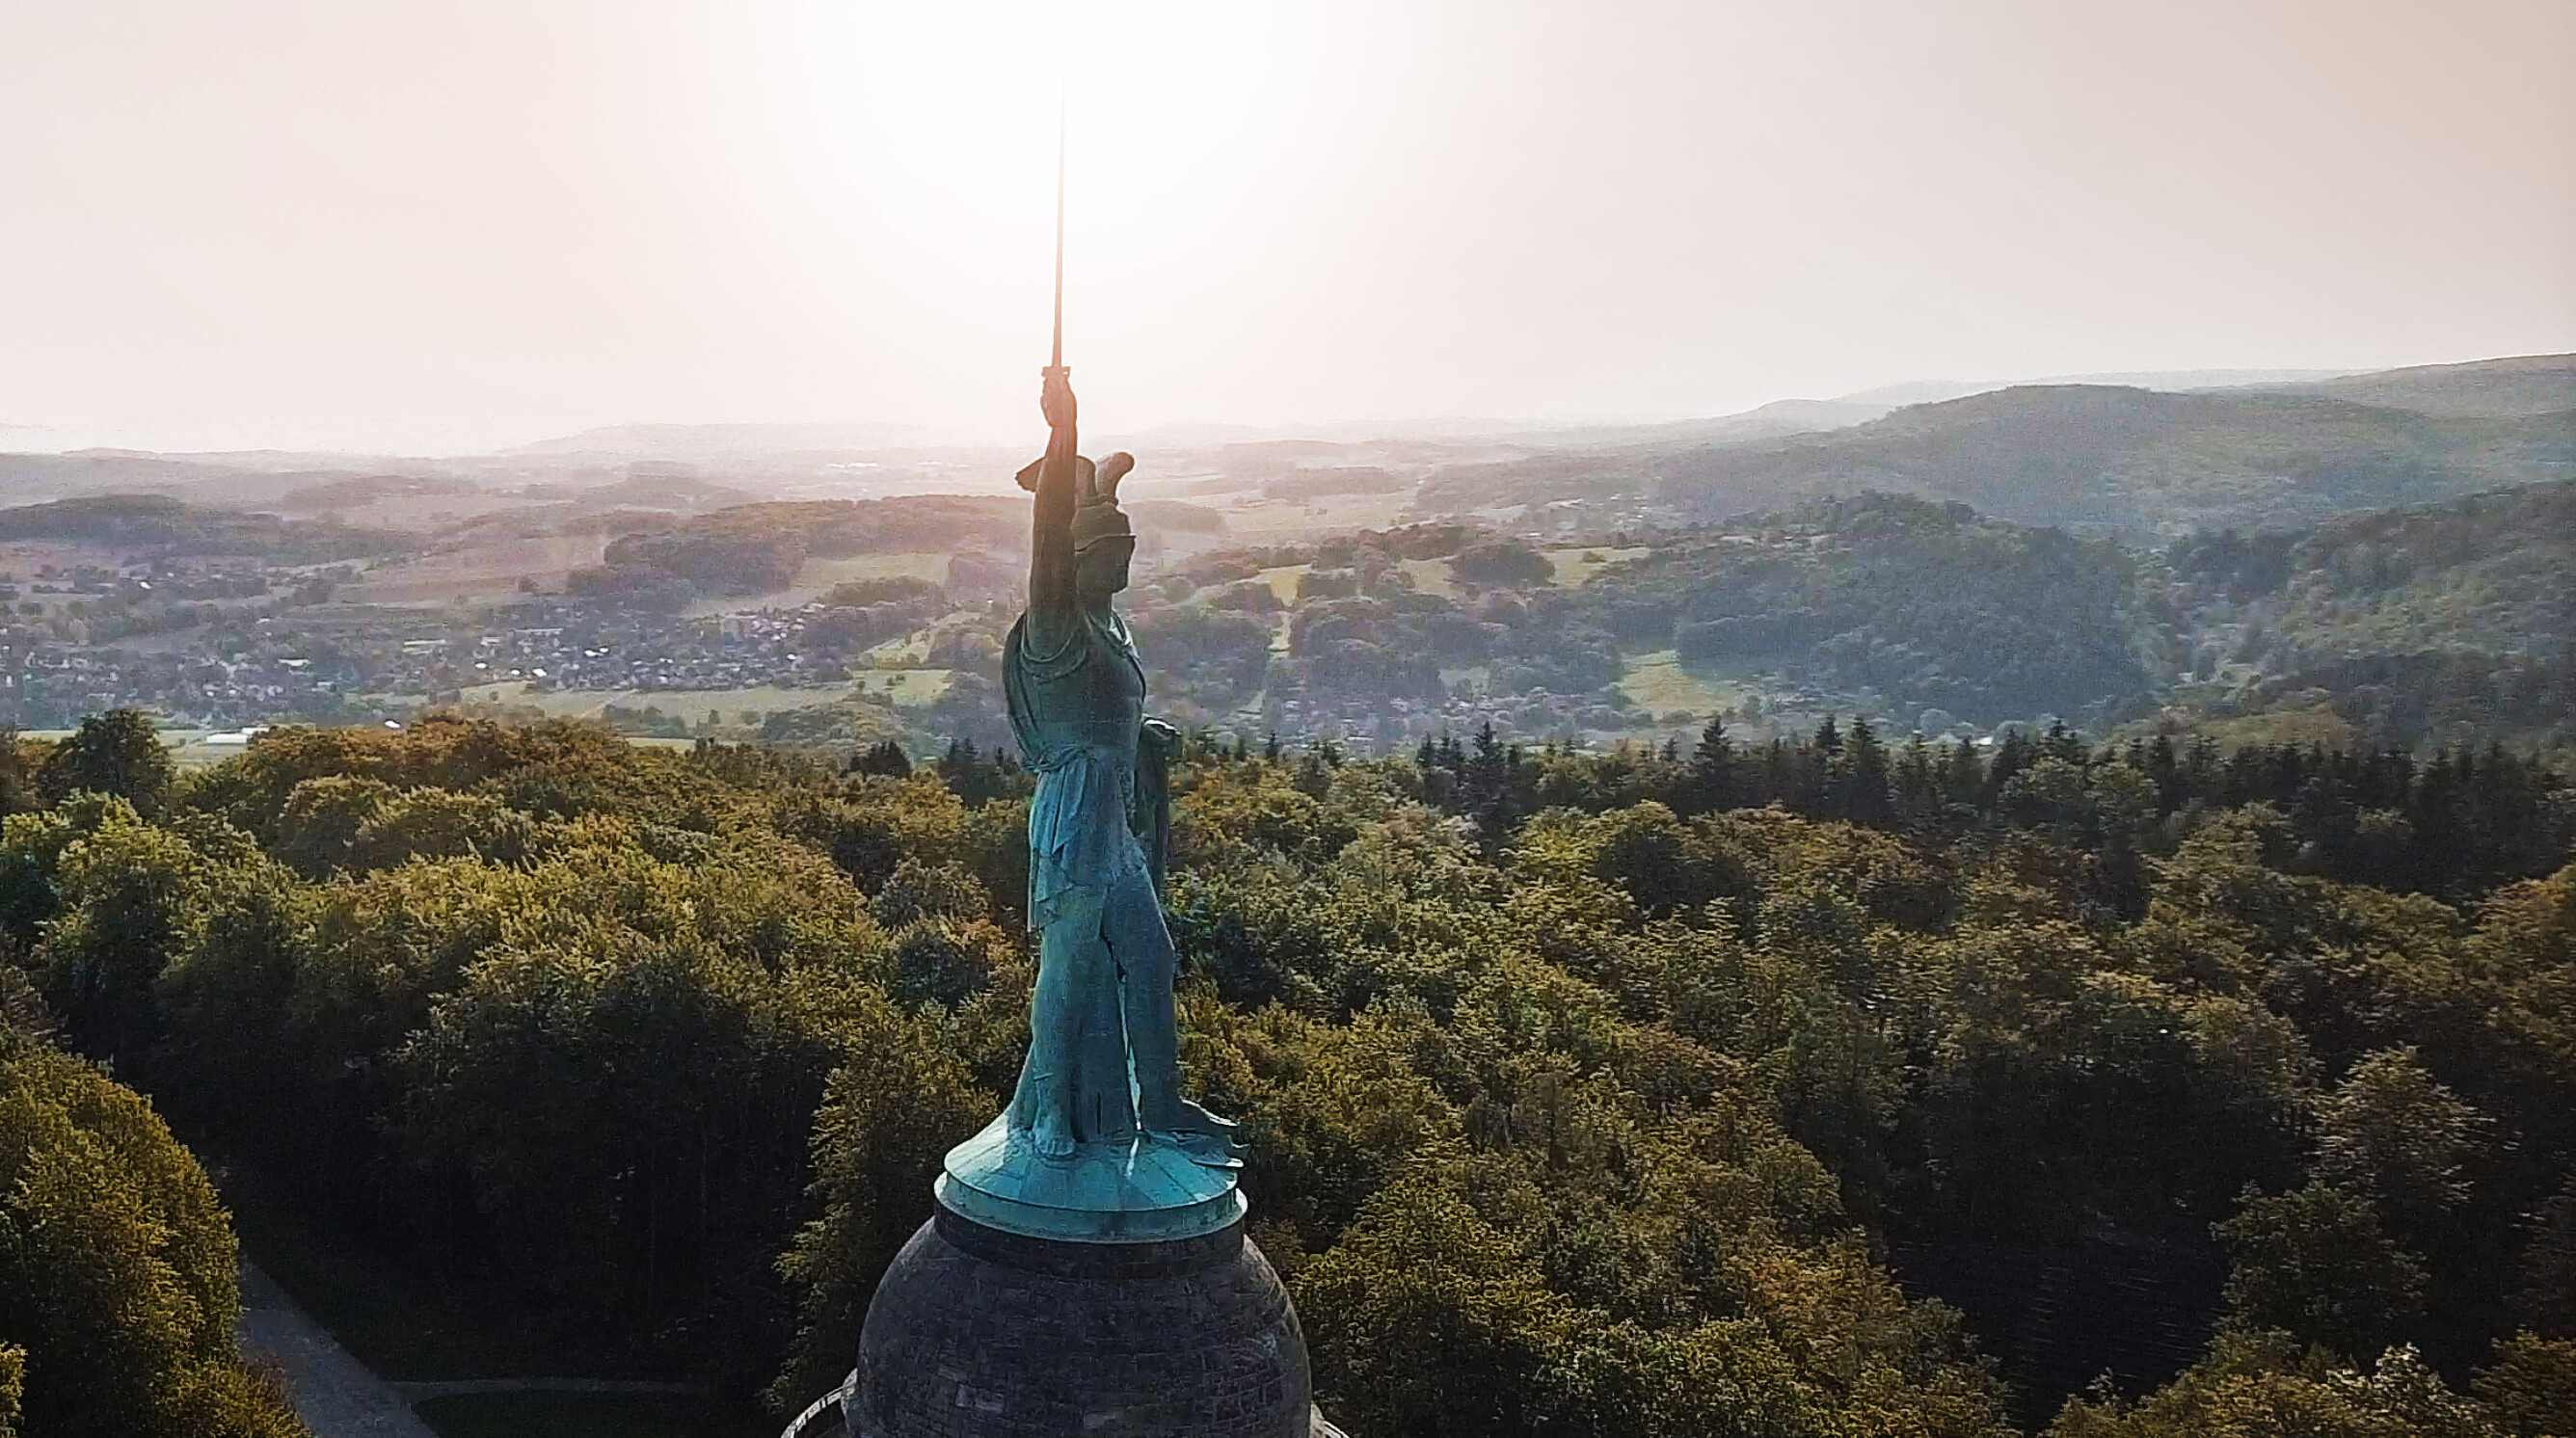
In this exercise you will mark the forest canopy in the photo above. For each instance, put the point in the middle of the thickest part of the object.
(1773, 1089)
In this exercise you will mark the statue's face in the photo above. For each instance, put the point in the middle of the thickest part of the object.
(1100, 570)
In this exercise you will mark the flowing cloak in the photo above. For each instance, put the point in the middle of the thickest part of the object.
(1076, 713)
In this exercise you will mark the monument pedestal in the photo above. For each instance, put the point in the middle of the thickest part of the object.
(1109, 1295)
(1101, 1193)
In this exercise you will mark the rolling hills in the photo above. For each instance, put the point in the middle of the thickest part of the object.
(2108, 459)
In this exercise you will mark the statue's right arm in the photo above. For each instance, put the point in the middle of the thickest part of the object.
(1052, 597)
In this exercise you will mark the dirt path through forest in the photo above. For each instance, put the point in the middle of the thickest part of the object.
(334, 1393)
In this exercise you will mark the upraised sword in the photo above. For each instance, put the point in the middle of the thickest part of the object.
(1055, 361)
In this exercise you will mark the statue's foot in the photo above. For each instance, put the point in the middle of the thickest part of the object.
(1195, 1117)
(1204, 1149)
(1052, 1137)
(1173, 1114)
(1203, 1137)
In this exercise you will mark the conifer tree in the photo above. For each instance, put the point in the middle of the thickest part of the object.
(2163, 771)
(1918, 786)
(1713, 768)
(1963, 774)
(1862, 778)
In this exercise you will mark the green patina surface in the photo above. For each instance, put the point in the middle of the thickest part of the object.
(1098, 1144)
(1145, 1193)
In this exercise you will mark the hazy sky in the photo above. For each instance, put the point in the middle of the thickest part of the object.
(476, 222)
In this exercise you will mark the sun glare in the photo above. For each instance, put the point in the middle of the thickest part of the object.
(931, 129)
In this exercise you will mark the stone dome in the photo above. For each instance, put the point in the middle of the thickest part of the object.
(979, 1333)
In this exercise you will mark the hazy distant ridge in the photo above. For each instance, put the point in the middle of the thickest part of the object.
(2491, 389)
(701, 441)
(2110, 458)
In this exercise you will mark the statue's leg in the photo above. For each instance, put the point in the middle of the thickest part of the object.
(1104, 1102)
(1073, 1086)
(1146, 962)
(1042, 1105)
(1147, 965)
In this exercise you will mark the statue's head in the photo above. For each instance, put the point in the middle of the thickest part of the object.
(1103, 539)
(1100, 568)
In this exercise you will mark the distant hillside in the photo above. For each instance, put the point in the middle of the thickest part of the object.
(1779, 418)
(2102, 458)
(158, 524)
(647, 486)
(1927, 602)
(2484, 389)
(755, 549)
(355, 490)
(2493, 573)
(241, 478)
(2452, 618)
(55, 476)
(708, 440)
(2115, 459)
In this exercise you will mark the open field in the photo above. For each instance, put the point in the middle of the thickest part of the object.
(1659, 684)
(906, 687)
(22, 559)
(484, 574)
(1434, 577)
(188, 747)
(1253, 519)
(818, 576)
(1573, 566)
(2318, 725)
(194, 753)
(191, 753)
(1283, 580)
(424, 513)
(912, 651)
(690, 704)
(1439, 577)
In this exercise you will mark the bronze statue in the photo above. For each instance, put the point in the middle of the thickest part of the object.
(1103, 1064)
(1098, 1145)
(1086, 1271)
